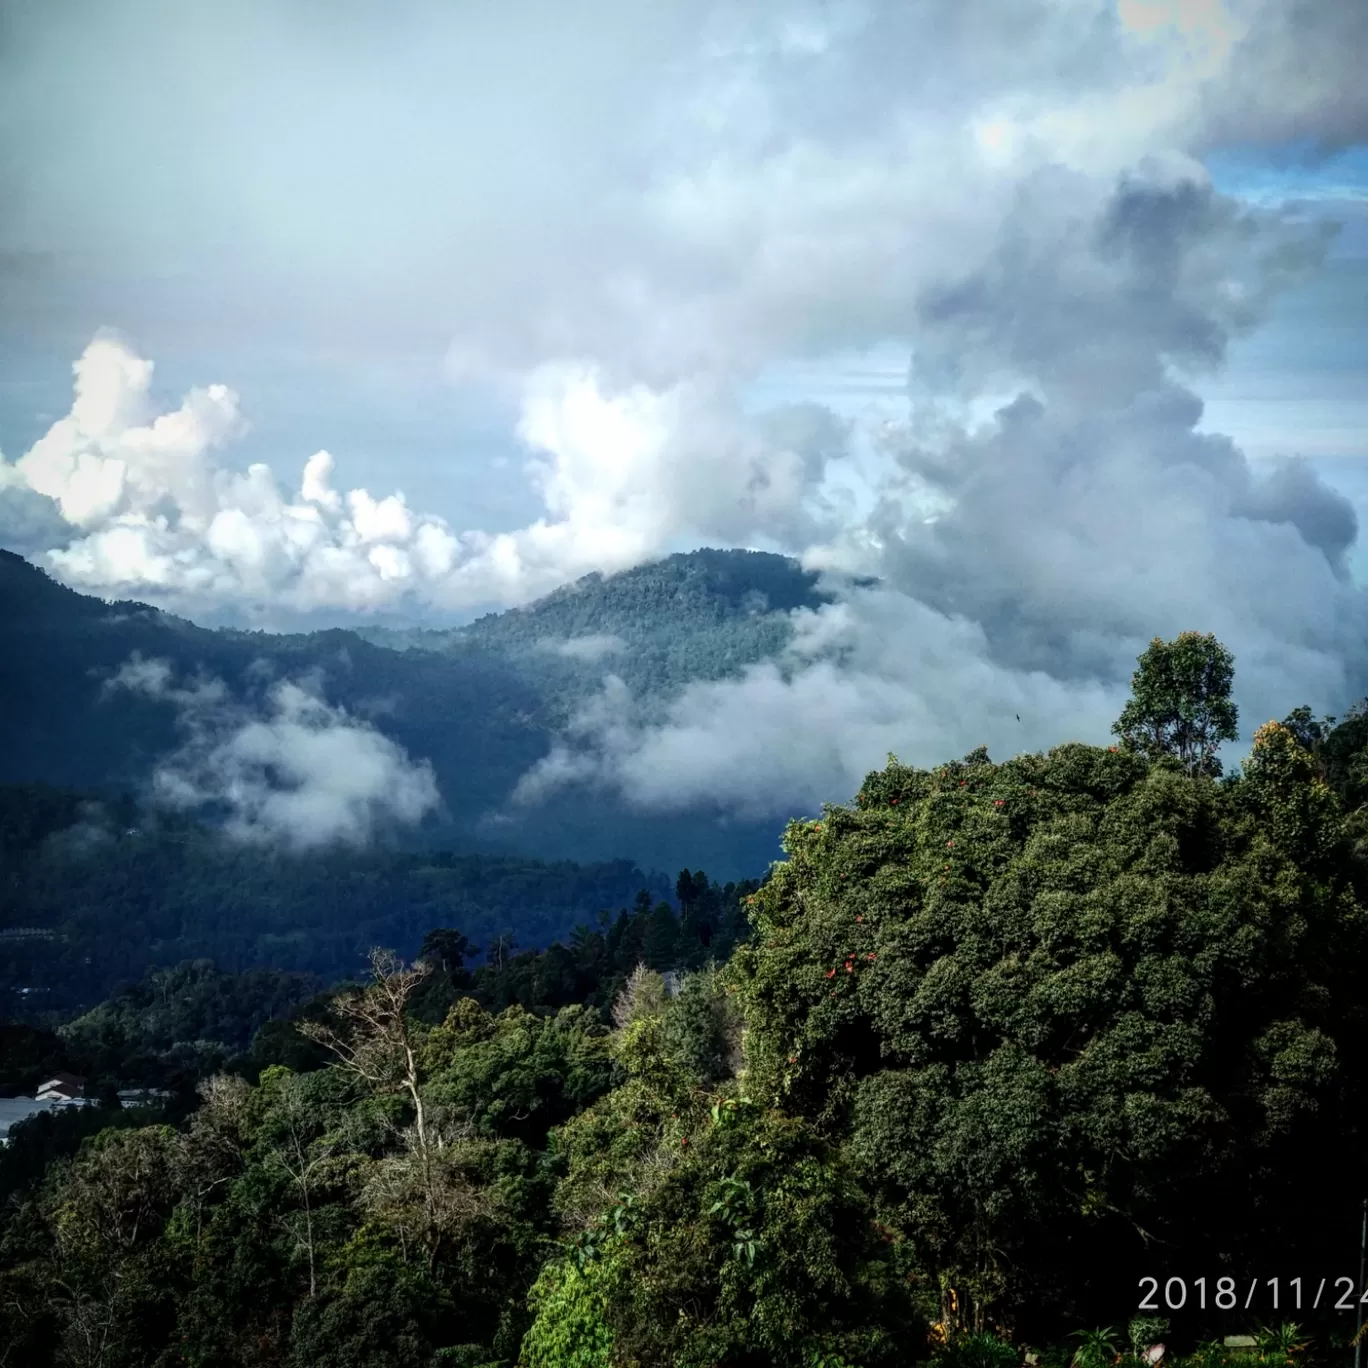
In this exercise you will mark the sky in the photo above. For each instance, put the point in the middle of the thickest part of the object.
(1050, 314)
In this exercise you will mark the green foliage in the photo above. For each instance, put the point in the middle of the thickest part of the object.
(109, 911)
(707, 614)
(981, 1350)
(381, 1312)
(516, 1074)
(993, 1036)
(1281, 1345)
(1096, 1348)
(702, 1029)
(568, 1329)
(1180, 703)
(1074, 996)
(184, 1021)
(1145, 1331)
(747, 1236)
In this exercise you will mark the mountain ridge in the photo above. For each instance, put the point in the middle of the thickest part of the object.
(482, 704)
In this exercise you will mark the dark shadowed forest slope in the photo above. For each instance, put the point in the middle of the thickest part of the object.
(93, 894)
(479, 704)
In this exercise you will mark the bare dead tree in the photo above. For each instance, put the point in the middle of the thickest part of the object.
(501, 949)
(373, 1040)
(87, 1323)
(642, 995)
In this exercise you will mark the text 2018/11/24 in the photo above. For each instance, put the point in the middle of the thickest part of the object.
(1277, 1294)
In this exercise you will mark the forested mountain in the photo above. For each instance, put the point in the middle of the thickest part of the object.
(480, 704)
(704, 615)
(1002, 1052)
(94, 895)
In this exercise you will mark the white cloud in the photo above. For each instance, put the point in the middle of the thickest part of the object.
(590, 649)
(876, 674)
(152, 512)
(109, 456)
(1014, 193)
(1088, 515)
(287, 768)
(622, 475)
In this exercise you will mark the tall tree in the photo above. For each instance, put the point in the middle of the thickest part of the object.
(1180, 702)
(376, 1041)
(447, 949)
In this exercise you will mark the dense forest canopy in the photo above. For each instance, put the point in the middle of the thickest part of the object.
(480, 704)
(95, 893)
(991, 1045)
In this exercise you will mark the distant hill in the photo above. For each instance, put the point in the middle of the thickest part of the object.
(701, 615)
(481, 703)
(78, 917)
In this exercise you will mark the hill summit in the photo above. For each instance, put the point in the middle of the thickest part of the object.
(481, 703)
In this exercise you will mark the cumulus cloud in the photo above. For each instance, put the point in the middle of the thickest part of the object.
(285, 767)
(1014, 194)
(147, 508)
(1024, 561)
(30, 523)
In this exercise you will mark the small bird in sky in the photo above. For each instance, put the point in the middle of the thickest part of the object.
(1018, 717)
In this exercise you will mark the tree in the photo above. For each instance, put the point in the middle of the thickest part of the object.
(106, 1213)
(702, 1032)
(501, 949)
(376, 1042)
(117, 1192)
(296, 1151)
(426, 1199)
(660, 937)
(211, 1153)
(1064, 1006)
(447, 949)
(643, 995)
(1310, 732)
(1180, 703)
